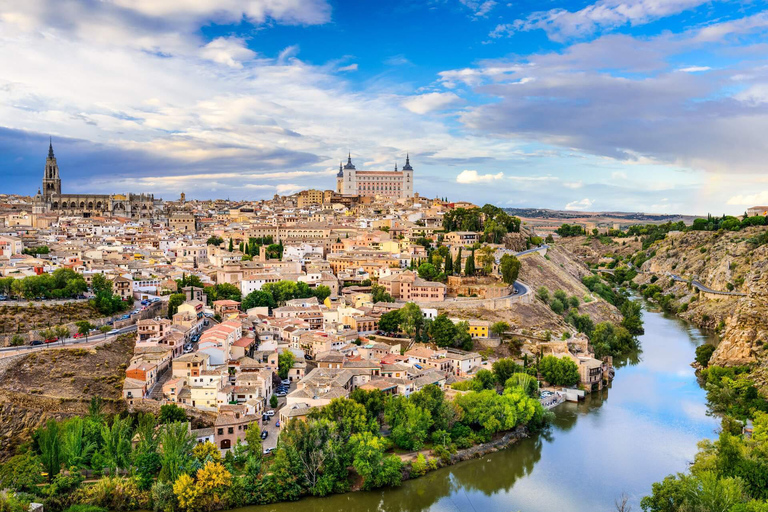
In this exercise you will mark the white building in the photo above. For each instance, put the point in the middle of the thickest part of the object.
(393, 184)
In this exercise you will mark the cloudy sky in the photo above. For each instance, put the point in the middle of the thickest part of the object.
(632, 105)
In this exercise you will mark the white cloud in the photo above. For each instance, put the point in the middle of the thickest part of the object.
(579, 205)
(619, 175)
(573, 185)
(351, 67)
(756, 199)
(467, 177)
(288, 188)
(429, 102)
(480, 8)
(695, 69)
(560, 24)
(230, 51)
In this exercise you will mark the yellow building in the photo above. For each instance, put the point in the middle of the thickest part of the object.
(479, 328)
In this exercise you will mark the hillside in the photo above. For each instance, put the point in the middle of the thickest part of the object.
(559, 270)
(724, 261)
(56, 384)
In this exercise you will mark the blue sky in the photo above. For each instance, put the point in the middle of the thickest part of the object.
(640, 105)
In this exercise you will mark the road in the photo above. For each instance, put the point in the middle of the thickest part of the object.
(67, 342)
(535, 249)
(271, 426)
(46, 302)
(703, 288)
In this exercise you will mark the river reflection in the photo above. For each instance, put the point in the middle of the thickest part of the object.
(620, 440)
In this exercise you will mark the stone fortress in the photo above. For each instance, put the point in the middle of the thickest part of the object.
(49, 199)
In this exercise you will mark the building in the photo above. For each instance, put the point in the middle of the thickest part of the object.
(391, 184)
(183, 222)
(408, 286)
(50, 199)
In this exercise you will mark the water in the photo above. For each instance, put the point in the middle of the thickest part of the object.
(619, 441)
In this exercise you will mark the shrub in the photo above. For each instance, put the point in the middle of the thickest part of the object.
(704, 354)
(419, 466)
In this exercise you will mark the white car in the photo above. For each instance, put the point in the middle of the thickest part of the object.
(113, 331)
(269, 413)
(267, 451)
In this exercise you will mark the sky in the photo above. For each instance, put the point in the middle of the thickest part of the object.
(604, 105)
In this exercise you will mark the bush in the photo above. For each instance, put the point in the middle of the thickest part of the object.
(419, 466)
(85, 508)
(704, 354)
(557, 306)
(559, 371)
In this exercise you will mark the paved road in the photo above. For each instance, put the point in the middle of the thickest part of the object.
(69, 341)
(701, 287)
(271, 427)
(535, 249)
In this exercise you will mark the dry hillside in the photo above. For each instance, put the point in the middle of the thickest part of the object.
(58, 383)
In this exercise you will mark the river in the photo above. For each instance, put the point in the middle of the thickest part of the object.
(618, 441)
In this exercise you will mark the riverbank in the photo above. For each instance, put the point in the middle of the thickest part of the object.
(618, 440)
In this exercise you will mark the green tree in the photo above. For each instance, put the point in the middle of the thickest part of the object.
(100, 284)
(258, 299)
(273, 401)
(411, 319)
(231, 246)
(410, 424)
(170, 413)
(285, 361)
(504, 368)
(116, 444)
(500, 328)
(510, 268)
(77, 449)
(174, 301)
(21, 473)
(379, 294)
(448, 264)
(390, 321)
(559, 371)
(176, 444)
(84, 327)
(469, 267)
(443, 331)
(373, 400)
(214, 240)
(427, 271)
(48, 440)
(369, 461)
(704, 354)
(457, 263)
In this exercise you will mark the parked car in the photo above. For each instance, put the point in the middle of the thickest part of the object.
(280, 394)
(3, 297)
(267, 451)
(113, 331)
(269, 413)
(277, 424)
(52, 340)
(286, 382)
(35, 343)
(264, 434)
(78, 335)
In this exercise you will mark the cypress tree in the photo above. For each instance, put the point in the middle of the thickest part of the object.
(469, 269)
(448, 264)
(231, 246)
(457, 264)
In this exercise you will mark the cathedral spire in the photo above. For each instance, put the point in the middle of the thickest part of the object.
(349, 165)
(395, 166)
(50, 147)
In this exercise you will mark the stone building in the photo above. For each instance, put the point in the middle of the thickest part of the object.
(391, 184)
(50, 199)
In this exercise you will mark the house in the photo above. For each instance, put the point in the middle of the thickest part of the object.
(230, 426)
(190, 365)
(225, 307)
(408, 286)
(133, 389)
(123, 287)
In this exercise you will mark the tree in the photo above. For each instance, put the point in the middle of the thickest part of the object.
(390, 321)
(223, 291)
(379, 294)
(61, 331)
(373, 400)
(443, 331)
(486, 259)
(176, 451)
(253, 440)
(500, 328)
(49, 443)
(322, 292)
(503, 369)
(411, 319)
(22, 472)
(371, 464)
(174, 301)
(77, 449)
(16, 340)
(84, 327)
(116, 444)
(410, 424)
(448, 264)
(273, 401)
(559, 371)
(231, 246)
(170, 413)
(258, 299)
(510, 268)
(285, 361)
(427, 271)
(469, 268)
(214, 240)
(100, 284)
(543, 294)
(457, 263)
(704, 354)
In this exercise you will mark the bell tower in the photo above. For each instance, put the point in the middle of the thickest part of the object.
(51, 179)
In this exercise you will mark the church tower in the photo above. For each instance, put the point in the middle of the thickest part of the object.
(51, 179)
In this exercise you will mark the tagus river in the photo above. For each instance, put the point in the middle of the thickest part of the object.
(619, 441)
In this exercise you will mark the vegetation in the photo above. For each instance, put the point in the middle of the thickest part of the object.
(510, 268)
(63, 283)
(494, 222)
(559, 371)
